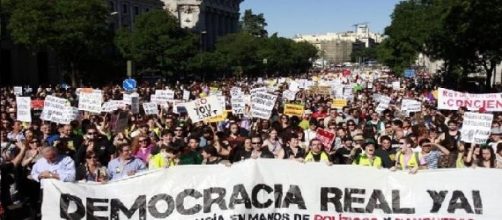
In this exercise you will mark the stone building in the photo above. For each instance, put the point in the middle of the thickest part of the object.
(210, 18)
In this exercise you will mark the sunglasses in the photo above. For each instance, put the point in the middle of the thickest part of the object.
(255, 142)
(91, 157)
(91, 133)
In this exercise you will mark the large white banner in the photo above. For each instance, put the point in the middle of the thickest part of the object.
(23, 108)
(476, 127)
(204, 108)
(281, 189)
(262, 105)
(90, 101)
(452, 100)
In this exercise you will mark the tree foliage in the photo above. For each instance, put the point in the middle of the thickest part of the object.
(254, 24)
(73, 29)
(157, 42)
(462, 33)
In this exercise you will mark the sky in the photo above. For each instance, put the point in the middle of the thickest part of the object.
(290, 17)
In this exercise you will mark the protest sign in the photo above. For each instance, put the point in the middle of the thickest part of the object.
(90, 101)
(289, 95)
(204, 108)
(262, 105)
(452, 100)
(476, 127)
(326, 138)
(120, 121)
(235, 91)
(293, 86)
(319, 90)
(317, 193)
(164, 95)
(112, 105)
(339, 103)
(218, 118)
(186, 95)
(150, 108)
(135, 103)
(70, 114)
(37, 104)
(257, 90)
(347, 92)
(396, 85)
(54, 109)
(18, 90)
(410, 105)
(127, 98)
(381, 107)
(409, 73)
(238, 104)
(294, 110)
(23, 107)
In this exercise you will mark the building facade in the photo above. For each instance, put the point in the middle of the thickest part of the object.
(210, 18)
(124, 12)
(337, 48)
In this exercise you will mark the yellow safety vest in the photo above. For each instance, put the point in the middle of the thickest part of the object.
(363, 160)
(310, 157)
(413, 162)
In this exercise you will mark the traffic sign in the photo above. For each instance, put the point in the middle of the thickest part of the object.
(409, 73)
(129, 84)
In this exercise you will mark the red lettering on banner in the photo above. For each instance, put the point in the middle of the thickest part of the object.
(490, 104)
(477, 104)
(450, 102)
(460, 103)
(468, 103)
(498, 104)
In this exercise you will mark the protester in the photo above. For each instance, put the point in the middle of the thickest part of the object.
(316, 152)
(53, 166)
(125, 164)
(91, 170)
(368, 158)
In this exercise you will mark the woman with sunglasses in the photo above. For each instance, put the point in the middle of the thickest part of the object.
(91, 169)
(32, 153)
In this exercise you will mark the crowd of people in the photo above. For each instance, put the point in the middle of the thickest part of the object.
(89, 149)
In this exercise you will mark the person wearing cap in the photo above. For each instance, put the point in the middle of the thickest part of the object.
(316, 153)
(305, 123)
(496, 136)
(311, 133)
(432, 156)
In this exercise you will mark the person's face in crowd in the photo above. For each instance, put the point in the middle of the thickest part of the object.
(151, 123)
(426, 147)
(332, 128)
(316, 146)
(67, 130)
(374, 116)
(399, 134)
(44, 129)
(332, 113)
(293, 142)
(348, 143)
(234, 129)
(433, 135)
(247, 144)
(34, 144)
(404, 146)
(351, 126)
(452, 126)
(92, 134)
(91, 159)
(169, 122)
(273, 135)
(178, 132)
(144, 129)
(265, 124)
(386, 144)
(5, 124)
(143, 142)
(49, 153)
(28, 134)
(388, 128)
(313, 127)
(284, 120)
(257, 144)
(387, 116)
(126, 152)
(370, 150)
(205, 155)
(406, 124)
(193, 144)
(486, 154)
(476, 151)
(167, 138)
(17, 126)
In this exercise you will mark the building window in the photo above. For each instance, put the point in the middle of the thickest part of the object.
(136, 10)
(124, 8)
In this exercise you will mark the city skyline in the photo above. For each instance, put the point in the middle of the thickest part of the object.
(291, 17)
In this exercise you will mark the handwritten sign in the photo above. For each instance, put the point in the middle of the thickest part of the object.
(289, 95)
(23, 107)
(150, 108)
(90, 101)
(339, 103)
(54, 109)
(294, 110)
(476, 127)
(164, 95)
(262, 105)
(204, 108)
(326, 138)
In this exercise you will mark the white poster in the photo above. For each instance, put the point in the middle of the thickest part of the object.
(70, 114)
(452, 100)
(23, 107)
(396, 85)
(235, 91)
(18, 90)
(281, 189)
(164, 95)
(238, 104)
(204, 108)
(90, 101)
(476, 127)
(186, 95)
(289, 95)
(262, 105)
(150, 108)
(411, 105)
(127, 98)
(112, 105)
(54, 109)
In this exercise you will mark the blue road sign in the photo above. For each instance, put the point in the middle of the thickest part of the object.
(409, 73)
(129, 84)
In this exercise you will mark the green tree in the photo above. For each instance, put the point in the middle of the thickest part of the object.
(254, 24)
(156, 41)
(73, 29)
